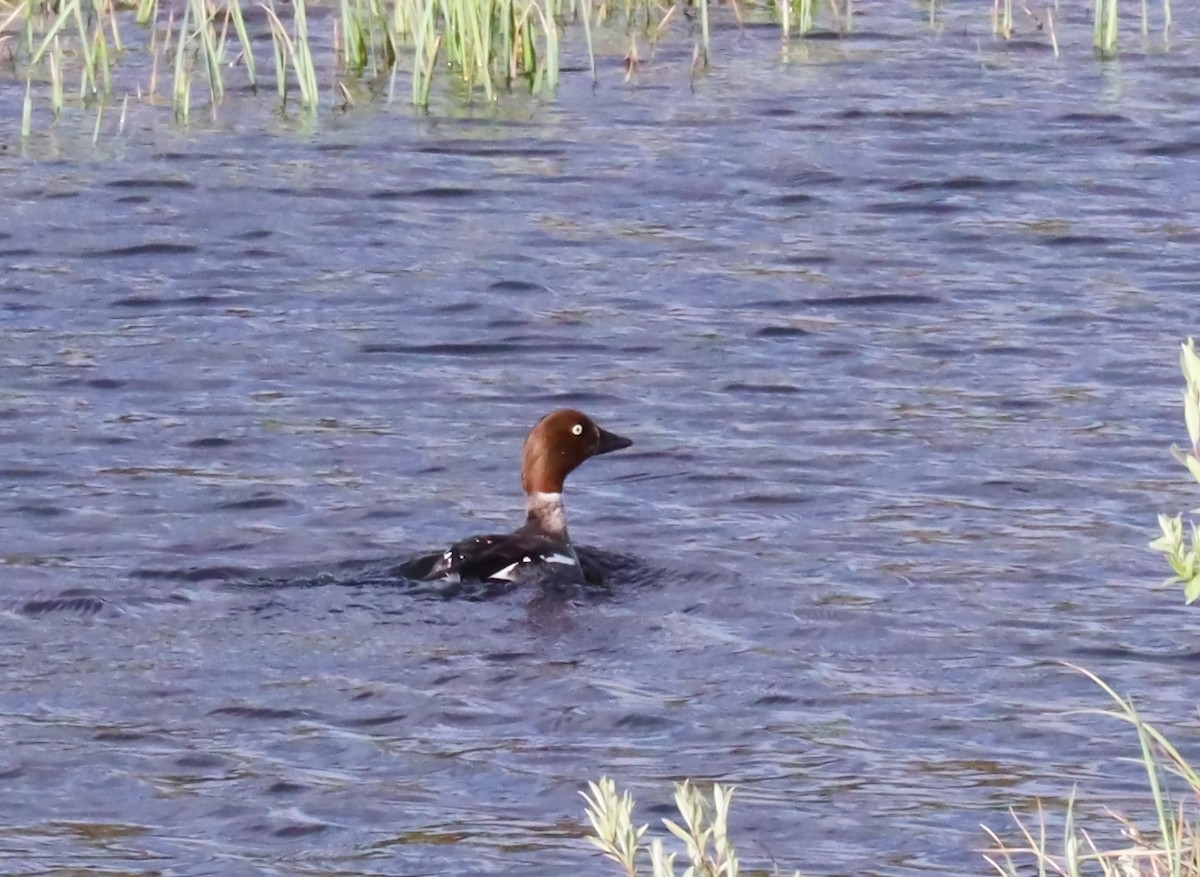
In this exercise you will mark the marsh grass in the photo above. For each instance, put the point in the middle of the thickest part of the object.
(1171, 848)
(71, 54)
(1105, 25)
(488, 44)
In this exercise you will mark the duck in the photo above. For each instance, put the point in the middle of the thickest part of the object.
(540, 549)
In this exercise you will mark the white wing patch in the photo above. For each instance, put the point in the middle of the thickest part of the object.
(512, 572)
(509, 573)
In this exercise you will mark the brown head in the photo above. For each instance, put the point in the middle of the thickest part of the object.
(558, 444)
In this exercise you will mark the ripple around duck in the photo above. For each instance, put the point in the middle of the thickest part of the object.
(609, 575)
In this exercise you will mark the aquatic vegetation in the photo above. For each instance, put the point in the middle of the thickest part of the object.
(1002, 18)
(1181, 555)
(1105, 27)
(1171, 849)
(1104, 24)
(801, 11)
(704, 832)
(94, 54)
(487, 44)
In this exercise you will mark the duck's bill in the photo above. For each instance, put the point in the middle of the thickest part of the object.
(610, 441)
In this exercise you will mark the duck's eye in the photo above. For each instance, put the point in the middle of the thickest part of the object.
(577, 429)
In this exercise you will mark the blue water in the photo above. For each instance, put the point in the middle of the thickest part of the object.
(892, 321)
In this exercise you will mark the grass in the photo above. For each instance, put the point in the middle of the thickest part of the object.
(488, 44)
(82, 54)
(1170, 849)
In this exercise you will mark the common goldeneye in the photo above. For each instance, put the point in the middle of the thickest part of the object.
(540, 550)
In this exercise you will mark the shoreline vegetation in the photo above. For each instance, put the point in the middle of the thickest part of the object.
(99, 55)
(704, 832)
(1180, 555)
(1170, 849)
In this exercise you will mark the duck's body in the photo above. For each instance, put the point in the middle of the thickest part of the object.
(541, 549)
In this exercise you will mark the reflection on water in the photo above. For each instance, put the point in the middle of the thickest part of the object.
(893, 335)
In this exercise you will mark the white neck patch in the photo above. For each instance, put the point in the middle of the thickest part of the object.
(548, 509)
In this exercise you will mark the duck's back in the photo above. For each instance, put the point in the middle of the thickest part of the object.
(510, 557)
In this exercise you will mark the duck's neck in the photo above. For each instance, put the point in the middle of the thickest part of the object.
(545, 512)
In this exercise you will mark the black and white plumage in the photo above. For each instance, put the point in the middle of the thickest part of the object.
(541, 549)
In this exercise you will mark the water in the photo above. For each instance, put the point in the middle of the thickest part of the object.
(892, 323)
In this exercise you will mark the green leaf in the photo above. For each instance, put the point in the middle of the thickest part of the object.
(1171, 539)
(677, 831)
(1191, 590)
(661, 864)
(1179, 454)
(1189, 363)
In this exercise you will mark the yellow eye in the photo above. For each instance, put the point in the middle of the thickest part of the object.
(577, 429)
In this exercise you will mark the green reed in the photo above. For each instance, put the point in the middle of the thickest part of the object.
(146, 12)
(202, 38)
(294, 50)
(239, 28)
(428, 42)
(549, 24)
(354, 43)
(1105, 27)
(587, 34)
(27, 111)
(181, 93)
(369, 37)
(1002, 18)
(70, 14)
(306, 70)
(211, 46)
(800, 13)
(54, 62)
(1166, 15)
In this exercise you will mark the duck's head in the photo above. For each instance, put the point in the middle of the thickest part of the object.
(558, 444)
